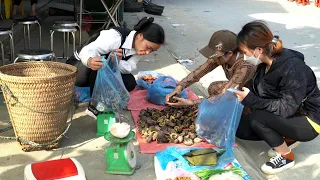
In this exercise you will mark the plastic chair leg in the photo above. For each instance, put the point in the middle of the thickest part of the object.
(7, 8)
(317, 3)
(22, 8)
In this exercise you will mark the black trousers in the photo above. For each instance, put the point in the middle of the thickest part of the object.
(18, 2)
(263, 125)
(87, 77)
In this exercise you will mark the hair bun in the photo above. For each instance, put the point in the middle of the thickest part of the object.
(143, 23)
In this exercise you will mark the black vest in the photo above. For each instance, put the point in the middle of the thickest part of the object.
(124, 32)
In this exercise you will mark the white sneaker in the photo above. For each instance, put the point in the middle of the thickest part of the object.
(277, 164)
(89, 113)
(92, 111)
(291, 145)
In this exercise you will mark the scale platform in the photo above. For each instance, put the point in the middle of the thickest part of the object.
(121, 157)
(109, 137)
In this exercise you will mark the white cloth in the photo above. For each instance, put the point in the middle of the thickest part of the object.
(110, 40)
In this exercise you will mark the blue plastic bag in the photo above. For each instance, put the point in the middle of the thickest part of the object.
(82, 94)
(141, 84)
(109, 93)
(156, 92)
(175, 154)
(218, 120)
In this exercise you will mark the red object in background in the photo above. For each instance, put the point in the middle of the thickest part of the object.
(62, 169)
(303, 2)
(317, 3)
(87, 25)
(55, 169)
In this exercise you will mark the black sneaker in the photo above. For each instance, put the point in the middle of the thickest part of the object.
(92, 111)
(277, 164)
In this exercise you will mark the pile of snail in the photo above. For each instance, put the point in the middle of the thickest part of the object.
(170, 125)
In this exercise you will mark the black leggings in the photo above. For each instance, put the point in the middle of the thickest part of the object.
(87, 77)
(263, 125)
(18, 2)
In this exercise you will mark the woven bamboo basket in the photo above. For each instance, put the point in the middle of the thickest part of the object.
(38, 97)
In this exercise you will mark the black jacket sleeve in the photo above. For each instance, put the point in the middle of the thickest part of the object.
(292, 92)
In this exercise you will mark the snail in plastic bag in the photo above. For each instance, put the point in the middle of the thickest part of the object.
(120, 130)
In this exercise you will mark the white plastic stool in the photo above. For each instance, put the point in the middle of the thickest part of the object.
(62, 169)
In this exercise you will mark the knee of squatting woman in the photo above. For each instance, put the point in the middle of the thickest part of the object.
(283, 97)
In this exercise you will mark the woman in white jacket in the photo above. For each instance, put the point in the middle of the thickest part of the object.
(129, 46)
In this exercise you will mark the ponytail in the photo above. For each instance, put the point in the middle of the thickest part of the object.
(150, 31)
(143, 23)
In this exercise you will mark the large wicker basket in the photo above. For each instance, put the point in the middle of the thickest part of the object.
(38, 97)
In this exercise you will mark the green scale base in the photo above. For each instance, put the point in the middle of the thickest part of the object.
(120, 155)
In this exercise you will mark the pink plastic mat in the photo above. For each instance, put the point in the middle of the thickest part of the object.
(138, 102)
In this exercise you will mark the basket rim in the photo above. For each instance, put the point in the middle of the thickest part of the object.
(4, 77)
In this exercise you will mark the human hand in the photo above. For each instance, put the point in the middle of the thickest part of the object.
(119, 54)
(175, 92)
(180, 102)
(196, 112)
(242, 94)
(95, 63)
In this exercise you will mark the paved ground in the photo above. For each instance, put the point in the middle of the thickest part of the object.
(81, 141)
(199, 23)
(297, 26)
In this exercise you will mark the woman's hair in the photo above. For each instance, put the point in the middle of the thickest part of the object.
(151, 31)
(257, 34)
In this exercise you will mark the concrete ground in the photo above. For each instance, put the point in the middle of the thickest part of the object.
(81, 141)
(297, 26)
